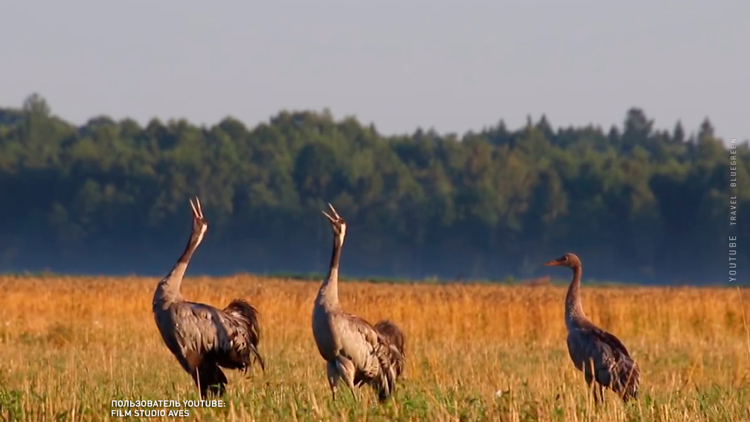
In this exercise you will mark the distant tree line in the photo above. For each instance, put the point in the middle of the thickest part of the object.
(635, 203)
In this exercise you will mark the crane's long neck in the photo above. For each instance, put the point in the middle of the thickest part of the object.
(329, 290)
(168, 289)
(573, 307)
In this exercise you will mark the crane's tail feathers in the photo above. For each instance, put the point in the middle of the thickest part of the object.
(390, 357)
(392, 333)
(258, 358)
(627, 380)
(395, 339)
(386, 382)
(247, 316)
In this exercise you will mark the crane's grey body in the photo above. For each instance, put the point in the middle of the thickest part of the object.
(355, 351)
(201, 337)
(598, 354)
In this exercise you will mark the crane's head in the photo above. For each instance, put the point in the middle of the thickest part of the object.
(200, 225)
(568, 260)
(337, 224)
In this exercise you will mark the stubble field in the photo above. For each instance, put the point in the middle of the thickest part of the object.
(69, 346)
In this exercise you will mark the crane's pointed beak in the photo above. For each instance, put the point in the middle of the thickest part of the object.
(328, 216)
(196, 214)
(553, 263)
(199, 206)
(335, 214)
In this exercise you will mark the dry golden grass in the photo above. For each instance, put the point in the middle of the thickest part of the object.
(69, 346)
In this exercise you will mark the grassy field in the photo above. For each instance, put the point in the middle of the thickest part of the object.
(69, 346)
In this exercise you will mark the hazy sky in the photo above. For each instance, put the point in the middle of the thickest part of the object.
(454, 66)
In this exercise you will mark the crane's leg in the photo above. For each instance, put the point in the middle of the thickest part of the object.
(210, 379)
(594, 385)
(598, 391)
(346, 370)
(191, 362)
(333, 377)
(200, 383)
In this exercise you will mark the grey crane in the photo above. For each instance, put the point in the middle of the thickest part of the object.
(355, 352)
(598, 354)
(202, 338)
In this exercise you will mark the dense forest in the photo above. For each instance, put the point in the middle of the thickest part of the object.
(635, 203)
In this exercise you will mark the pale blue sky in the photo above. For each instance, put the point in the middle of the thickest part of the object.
(454, 66)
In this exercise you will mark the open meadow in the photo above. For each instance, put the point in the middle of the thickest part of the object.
(71, 345)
